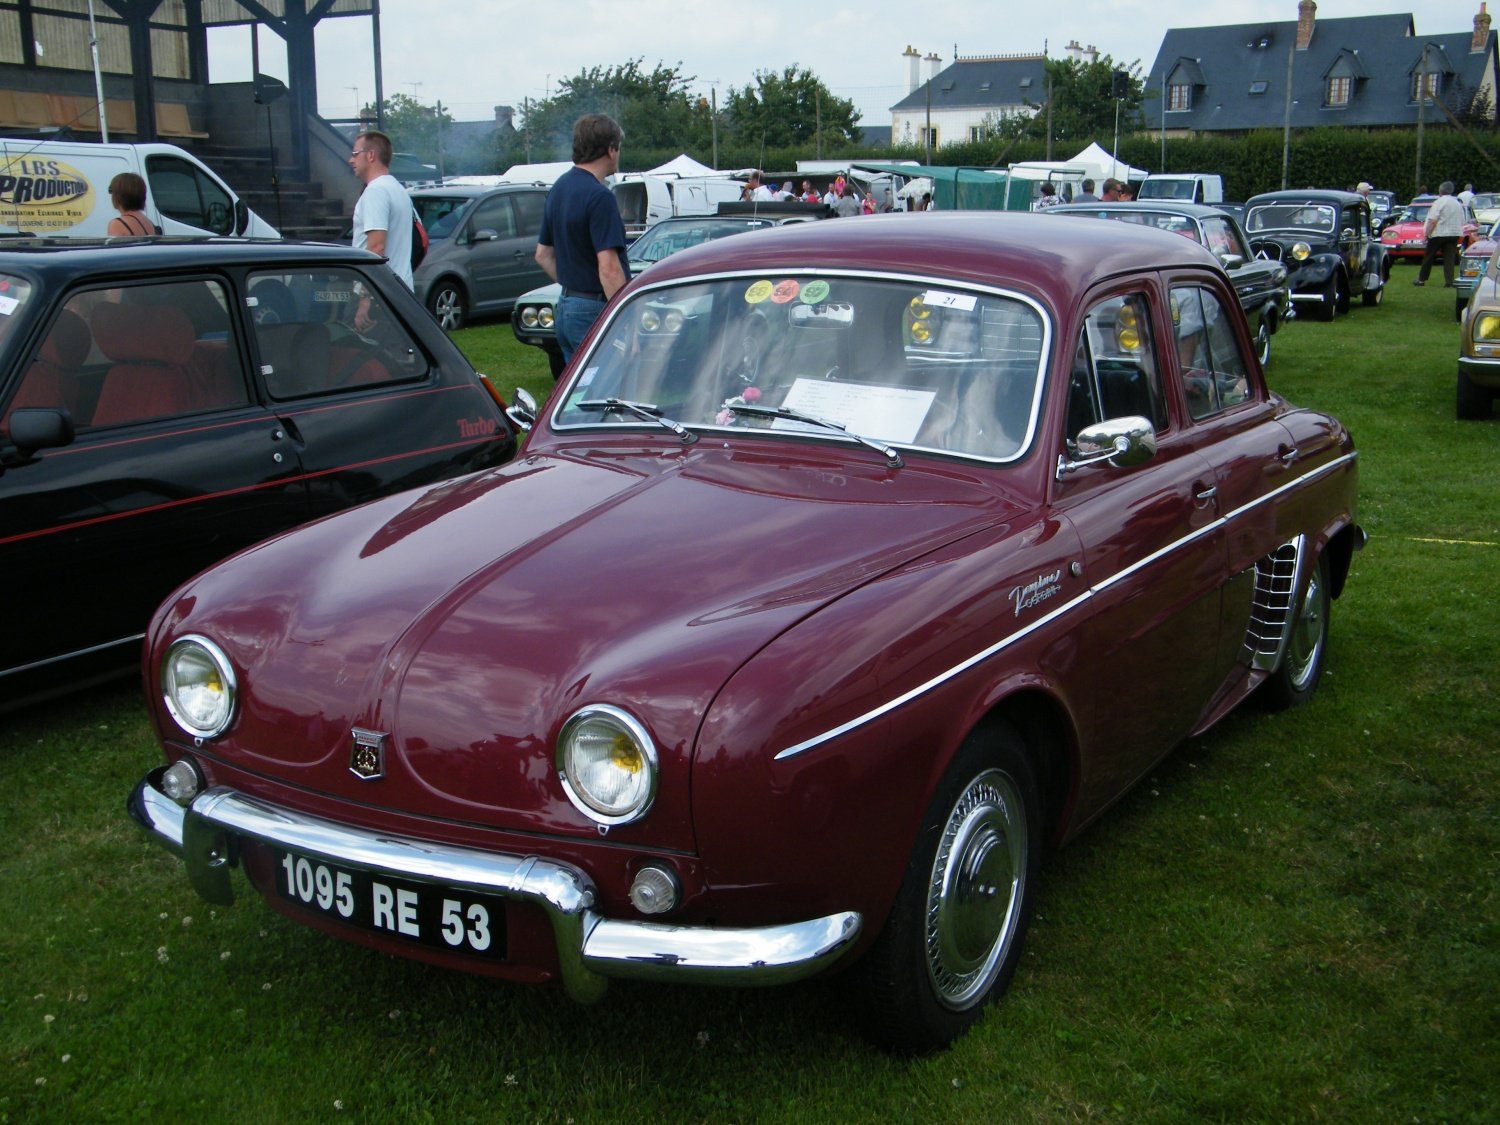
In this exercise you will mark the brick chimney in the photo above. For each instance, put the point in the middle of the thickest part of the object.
(913, 59)
(1307, 15)
(1481, 32)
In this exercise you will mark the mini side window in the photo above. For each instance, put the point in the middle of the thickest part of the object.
(1214, 372)
(328, 331)
(1115, 371)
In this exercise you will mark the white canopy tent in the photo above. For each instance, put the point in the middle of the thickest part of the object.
(683, 165)
(1105, 165)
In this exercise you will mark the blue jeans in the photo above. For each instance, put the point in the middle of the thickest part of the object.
(575, 316)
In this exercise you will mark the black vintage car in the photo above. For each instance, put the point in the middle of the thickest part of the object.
(165, 403)
(1260, 282)
(1327, 240)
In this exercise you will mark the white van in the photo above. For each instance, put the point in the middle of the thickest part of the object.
(62, 188)
(1184, 187)
(645, 199)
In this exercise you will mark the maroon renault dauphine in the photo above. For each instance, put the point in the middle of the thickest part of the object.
(850, 566)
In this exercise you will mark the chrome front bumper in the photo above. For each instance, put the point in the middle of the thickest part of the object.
(590, 948)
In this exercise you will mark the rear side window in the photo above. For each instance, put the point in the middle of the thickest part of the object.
(140, 353)
(183, 192)
(326, 332)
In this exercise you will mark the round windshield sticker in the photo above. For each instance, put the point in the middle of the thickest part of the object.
(786, 291)
(43, 196)
(757, 292)
(814, 292)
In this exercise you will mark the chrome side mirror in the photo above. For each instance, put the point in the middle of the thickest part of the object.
(1231, 261)
(1120, 441)
(522, 410)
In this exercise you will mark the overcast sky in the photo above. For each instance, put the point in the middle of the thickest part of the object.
(476, 54)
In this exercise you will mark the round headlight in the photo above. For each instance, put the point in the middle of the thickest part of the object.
(544, 316)
(607, 764)
(1487, 327)
(198, 686)
(528, 317)
(650, 320)
(1301, 251)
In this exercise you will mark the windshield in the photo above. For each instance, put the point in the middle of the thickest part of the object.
(667, 238)
(439, 213)
(923, 365)
(1486, 200)
(1167, 189)
(1416, 213)
(1320, 217)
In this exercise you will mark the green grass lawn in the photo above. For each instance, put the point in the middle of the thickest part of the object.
(1293, 919)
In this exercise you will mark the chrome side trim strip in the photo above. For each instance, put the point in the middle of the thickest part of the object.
(1066, 607)
(590, 948)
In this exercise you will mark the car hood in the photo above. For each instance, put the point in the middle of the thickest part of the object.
(467, 622)
(1406, 228)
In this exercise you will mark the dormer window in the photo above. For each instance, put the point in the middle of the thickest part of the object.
(1179, 97)
(1337, 91)
(1432, 81)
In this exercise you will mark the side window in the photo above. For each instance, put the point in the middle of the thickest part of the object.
(184, 193)
(1115, 370)
(140, 353)
(328, 331)
(494, 214)
(529, 205)
(1221, 239)
(1214, 371)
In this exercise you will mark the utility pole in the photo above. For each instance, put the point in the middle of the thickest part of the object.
(438, 121)
(1421, 111)
(713, 119)
(1286, 127)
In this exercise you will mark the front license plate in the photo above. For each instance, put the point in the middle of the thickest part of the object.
(440, 917)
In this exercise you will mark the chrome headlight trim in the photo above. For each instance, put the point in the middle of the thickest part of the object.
(571, 773)
(210, 715)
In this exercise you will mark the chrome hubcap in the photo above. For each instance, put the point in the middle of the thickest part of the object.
(1307, 634)
(978, 881)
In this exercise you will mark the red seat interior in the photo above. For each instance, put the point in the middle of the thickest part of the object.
(152, 348)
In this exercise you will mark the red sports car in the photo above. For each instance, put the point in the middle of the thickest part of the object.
(1404, 236)
(852, 566)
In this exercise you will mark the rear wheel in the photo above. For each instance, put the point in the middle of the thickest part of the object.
(448, 305)
(1372, 297)
(955, 933)
(1301, 667)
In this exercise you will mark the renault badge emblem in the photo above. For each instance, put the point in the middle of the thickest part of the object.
(367, 756)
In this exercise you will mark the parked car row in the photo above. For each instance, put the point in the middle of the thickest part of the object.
(1328, 244)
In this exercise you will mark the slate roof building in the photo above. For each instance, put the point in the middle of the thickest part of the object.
(961, 102)
(1361, 71)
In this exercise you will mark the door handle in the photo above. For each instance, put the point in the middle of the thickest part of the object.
(1287, 454)
(1204, 494)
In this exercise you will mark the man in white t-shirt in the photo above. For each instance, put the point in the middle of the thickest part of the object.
(1443, 230)
(383, 215)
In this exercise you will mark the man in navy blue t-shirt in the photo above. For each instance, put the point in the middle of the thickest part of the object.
(582, 241)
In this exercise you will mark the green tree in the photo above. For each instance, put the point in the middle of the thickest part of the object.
(654, 108)
(1082, 96)
(793, 107)
(414, 127)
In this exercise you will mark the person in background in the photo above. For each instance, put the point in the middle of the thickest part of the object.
(1466, 197)
(383, 215)
(757, 192)
(809, 194)
(1127, 193)
(127, 192)
(1443, 228)
(867, 204)
(582, 241)
(1111, 193)
(1049, 196)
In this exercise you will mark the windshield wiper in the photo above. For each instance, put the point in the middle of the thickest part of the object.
(647, 410)
(891, 456)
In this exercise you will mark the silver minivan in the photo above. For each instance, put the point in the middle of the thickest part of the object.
(483, 249)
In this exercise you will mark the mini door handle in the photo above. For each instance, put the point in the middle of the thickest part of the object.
(1207, 494)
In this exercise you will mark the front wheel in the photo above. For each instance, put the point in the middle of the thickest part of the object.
(955, 933)
(1263, 341)
(1372, 297)
(1301, 667)
(1329, 305)
(448, 305)
(1473, 401)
